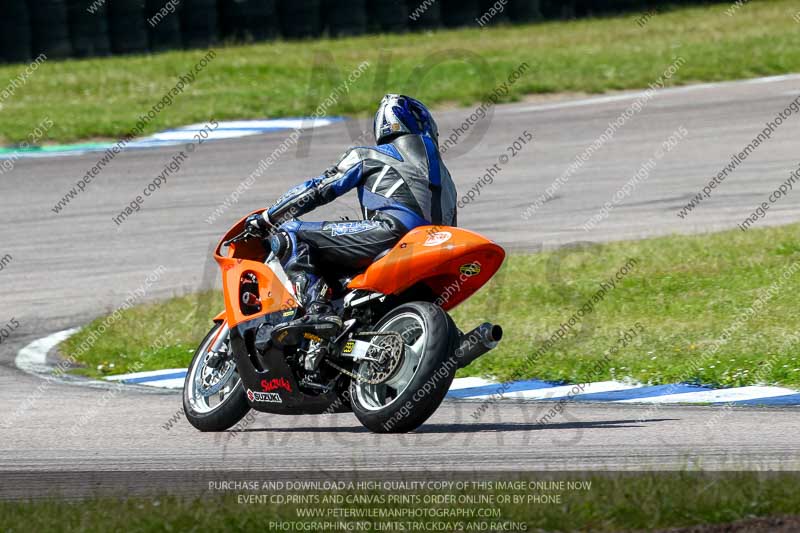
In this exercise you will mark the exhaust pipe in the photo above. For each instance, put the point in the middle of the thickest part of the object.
(477, 342)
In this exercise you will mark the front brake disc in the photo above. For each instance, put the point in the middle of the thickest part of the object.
(220, 379)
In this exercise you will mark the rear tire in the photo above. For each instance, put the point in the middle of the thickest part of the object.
(223, 415)
(390, 410)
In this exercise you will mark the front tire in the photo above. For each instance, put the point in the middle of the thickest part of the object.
(414, 392)
(210, 412)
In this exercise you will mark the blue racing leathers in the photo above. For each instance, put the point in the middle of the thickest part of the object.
(401, 185)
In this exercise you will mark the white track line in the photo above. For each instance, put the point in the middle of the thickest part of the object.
(564, 391)
(186, 134)
(715, 396)
(147, 374)
(33, 357)
(175, 383)
(637, 94)
(468, 383)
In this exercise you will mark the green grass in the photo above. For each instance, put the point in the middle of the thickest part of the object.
(102, 98)
(683, 293)
(612, 503)
(138, 340)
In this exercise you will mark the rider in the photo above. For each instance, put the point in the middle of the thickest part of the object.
(402, 183)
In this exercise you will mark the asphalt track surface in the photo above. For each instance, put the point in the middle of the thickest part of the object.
(70, 267)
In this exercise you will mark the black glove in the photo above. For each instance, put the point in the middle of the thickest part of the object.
(258, 224)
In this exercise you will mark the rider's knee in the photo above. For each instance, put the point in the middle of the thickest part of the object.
(282, 243)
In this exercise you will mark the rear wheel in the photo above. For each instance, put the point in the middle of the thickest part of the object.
(413, 388)
(213, 394)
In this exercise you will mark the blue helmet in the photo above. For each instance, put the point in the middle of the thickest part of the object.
(398, 115)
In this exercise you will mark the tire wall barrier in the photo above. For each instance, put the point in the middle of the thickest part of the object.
(522, 11)
(387, 16)
(493, 12)
(248, 20)
(460, 13)
(424, 14)
(345, 18)
(15, 32)
(198, 23)
(49, 28)
(126, 26)
(300, 18)
(163, 25)
(590, 7)
(558, 9)
(88, 28)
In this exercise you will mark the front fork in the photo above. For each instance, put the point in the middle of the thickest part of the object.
(218, 349)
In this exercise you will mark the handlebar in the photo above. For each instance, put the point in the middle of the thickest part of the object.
(244, 235)
(248, 234)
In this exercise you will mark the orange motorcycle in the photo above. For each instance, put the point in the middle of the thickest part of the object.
(391, 365)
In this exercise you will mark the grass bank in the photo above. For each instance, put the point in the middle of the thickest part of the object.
(634, 501)
(103, 98)
(716, 309)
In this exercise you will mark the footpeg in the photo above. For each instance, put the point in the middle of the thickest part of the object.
(309, 327)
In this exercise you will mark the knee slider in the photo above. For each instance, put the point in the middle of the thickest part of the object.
(281, 245)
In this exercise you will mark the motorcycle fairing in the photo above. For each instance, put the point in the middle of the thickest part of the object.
(278, 303)
(275, 292)
(256, 367)
(453, 262)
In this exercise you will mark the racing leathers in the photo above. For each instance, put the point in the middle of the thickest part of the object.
(401, 184)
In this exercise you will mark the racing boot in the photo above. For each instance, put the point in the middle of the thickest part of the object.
(319, 323)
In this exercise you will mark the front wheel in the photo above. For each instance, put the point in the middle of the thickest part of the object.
(411, 393)
(213, 394)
